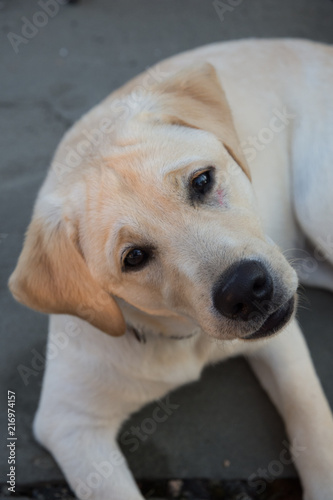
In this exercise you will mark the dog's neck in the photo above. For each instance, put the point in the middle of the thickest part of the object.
(141, 334)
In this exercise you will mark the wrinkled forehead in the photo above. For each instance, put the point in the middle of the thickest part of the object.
(136, 184)
(149, 154)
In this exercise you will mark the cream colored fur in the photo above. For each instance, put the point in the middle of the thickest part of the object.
(257, 111)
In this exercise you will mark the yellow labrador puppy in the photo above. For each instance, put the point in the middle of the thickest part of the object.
(156, 244)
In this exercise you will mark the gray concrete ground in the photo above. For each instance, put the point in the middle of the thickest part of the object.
(225, 427)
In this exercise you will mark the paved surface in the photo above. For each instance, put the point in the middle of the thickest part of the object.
(188, 489)
(224, 427)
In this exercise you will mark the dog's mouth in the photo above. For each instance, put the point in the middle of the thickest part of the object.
(275, 321)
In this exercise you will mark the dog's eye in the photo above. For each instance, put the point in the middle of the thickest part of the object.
(136, 258)
(202, 183)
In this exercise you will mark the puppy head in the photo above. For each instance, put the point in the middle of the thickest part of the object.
(162, 215)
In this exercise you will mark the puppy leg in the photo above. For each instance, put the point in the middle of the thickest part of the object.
(87, 451)
(285, 370)
(319, 275)
(313, 187)
(312, 266)
(83, 403)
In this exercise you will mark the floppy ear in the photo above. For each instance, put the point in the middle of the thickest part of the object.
(194, 98)
(51, 276)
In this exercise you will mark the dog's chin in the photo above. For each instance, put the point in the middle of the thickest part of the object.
(275, 322)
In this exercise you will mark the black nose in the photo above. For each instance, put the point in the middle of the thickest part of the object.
(243, 289)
